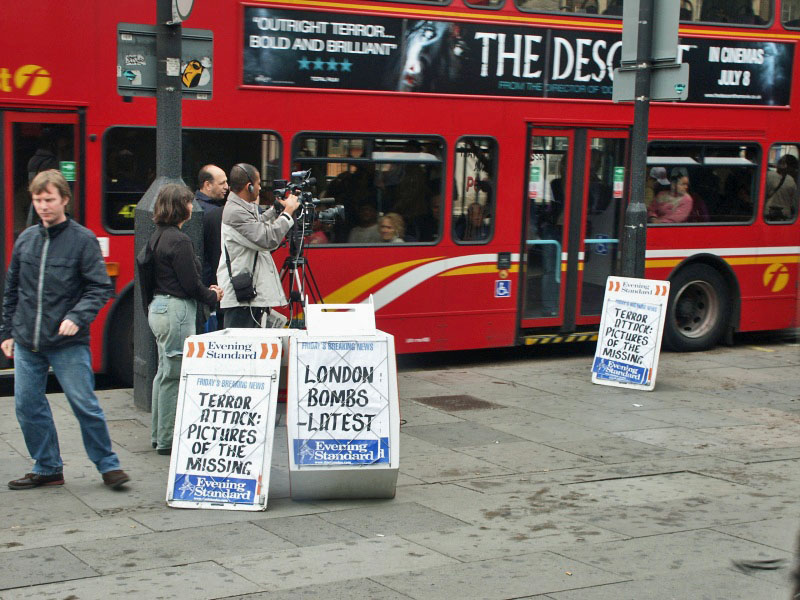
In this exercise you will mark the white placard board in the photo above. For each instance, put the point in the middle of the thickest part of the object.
(631, 327)
(225, 420)
(343, 419)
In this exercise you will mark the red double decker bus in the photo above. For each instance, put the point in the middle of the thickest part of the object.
(473, 145)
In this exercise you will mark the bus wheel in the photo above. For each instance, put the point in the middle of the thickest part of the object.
(120, 339)
(698, 310)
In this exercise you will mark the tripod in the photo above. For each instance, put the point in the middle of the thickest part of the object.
(297, 270)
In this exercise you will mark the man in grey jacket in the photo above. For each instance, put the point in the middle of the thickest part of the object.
(248, 237)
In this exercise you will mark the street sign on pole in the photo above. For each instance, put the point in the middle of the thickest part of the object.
(667, 82)
(136, 61)
(664, 44)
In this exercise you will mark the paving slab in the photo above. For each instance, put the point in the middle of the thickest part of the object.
(449, 465)
(460, 434)
(527, 457)
(329, 563)
(183, 546)
(307, 530)
(23, 538)
(340, 590)
(500, 578)
(776, 533)
(510, 537)
(617, 448)
(391, 518)
(42, 565)
(198, 581)
(682, 553)
(703, 585)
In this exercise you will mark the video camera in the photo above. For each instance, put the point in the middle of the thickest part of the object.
(300, 185)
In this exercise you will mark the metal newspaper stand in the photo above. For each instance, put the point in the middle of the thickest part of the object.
(225, 420)
(343, 415)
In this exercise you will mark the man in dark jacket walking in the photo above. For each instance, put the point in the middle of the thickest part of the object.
(212, 189)
(55, 286)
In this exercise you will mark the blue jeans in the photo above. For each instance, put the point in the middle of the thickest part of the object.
(171, 320)
(73, 369)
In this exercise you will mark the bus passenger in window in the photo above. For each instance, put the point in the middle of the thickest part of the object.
(391, 228)
(614, 9)
(781, 190)
(366, 232)
(672, 206)
(656, 183)
(474, 227)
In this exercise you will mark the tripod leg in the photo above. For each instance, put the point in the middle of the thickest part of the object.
(308, 274)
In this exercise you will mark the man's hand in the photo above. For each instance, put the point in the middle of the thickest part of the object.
(8, 347)
(217, 290)
(290, 204)
(67, 328)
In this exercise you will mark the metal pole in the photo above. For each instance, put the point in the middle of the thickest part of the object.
(634, 238)
(168, 170)
(168, 93)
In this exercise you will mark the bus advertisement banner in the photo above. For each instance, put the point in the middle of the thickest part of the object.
(631, 326)
(365, 52)
(339, 411)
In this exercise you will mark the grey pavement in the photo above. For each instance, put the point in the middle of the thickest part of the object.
(519, 478)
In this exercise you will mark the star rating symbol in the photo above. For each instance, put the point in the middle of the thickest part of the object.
(332, 64)
(304, 63)
(346, 65)
(319, 64)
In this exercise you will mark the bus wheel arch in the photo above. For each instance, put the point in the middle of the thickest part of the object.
(703, 308)
(118, 346)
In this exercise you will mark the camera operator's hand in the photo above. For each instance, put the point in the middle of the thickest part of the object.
(290, 204)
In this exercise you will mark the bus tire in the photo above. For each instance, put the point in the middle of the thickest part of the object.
(120, 338)
(698, 310)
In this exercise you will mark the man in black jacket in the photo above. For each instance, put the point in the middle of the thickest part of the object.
(212, 189)
(55, 286)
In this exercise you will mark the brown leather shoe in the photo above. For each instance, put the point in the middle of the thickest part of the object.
(115, 479)
(32, 480)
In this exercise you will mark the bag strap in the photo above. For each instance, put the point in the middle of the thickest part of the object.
(228, 261)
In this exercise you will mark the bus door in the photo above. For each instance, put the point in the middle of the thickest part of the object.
(33, 142)
(574, 203)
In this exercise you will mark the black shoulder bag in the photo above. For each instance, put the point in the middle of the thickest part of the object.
(242, 282)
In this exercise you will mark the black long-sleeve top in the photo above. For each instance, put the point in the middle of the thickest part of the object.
(177, 267)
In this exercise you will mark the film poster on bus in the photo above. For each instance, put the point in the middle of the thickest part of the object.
(631, 327)
(225, 421)
(301, 48)
(339, 403)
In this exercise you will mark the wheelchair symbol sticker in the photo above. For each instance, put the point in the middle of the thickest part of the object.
(502, 288)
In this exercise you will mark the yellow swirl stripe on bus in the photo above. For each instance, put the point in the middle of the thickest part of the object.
(358, 287)
(426, 269)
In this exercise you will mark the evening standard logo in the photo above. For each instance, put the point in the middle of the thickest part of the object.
(200, 488)
(312, 452)
(231, 350)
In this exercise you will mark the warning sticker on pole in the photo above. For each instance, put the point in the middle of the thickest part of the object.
(340, 391)
(631, 328)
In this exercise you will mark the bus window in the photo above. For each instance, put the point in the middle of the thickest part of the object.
(780, 193)
(790, 13)
(484, 3)
(701, 183)
(130, 164)
(473, 196)
(390, 187)
(612, 8)
(738, 12)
